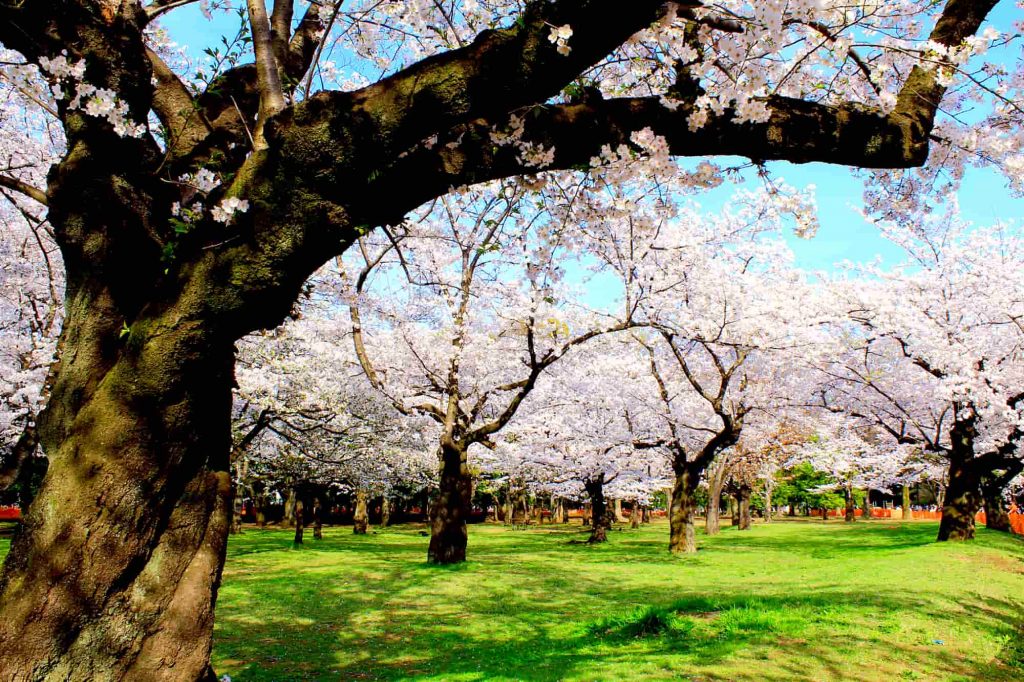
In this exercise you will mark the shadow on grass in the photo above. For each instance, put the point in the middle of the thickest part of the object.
(530, 606)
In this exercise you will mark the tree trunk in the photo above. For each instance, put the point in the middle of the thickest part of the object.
(360, 517)
(299, 521)
(236, 509)
(744, 508)
(682, 535)
(768, 511)
(963, 491)
(713, 520)
(600, 516)
(289, 509)
(940, 495)
(908, 514)
(734, 508)
(645, 514)
(619, 518)
(634, 516)
(448, 534)
(115, 573)
(318, 520)
(824, 515)
(851, 508)
(866, 508)
(385, 512)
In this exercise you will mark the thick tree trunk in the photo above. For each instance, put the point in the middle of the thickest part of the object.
(851, 508)
(385, 512)
(682, 535)
(743, 503)
(963, 501)
(908, 513)
(360, 517)
(318, 520)
(300, 522)
(448, 534)
(600, 516)
(115, 574)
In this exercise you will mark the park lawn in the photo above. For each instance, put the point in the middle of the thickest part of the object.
(794, 600)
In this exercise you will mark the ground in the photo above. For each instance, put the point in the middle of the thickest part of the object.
(794, 600)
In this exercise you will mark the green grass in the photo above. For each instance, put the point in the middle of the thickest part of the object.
(789, 601)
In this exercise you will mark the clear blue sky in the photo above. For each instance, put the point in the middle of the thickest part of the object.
(843, 235)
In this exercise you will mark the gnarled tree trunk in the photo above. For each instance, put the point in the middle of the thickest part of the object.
(360, 517)
(448, 533)
(116, 573)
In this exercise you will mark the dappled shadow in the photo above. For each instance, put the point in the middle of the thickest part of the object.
(530, 606)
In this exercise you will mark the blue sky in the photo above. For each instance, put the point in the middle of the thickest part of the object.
(843, 234)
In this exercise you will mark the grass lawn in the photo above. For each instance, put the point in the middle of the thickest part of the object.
(794, 600)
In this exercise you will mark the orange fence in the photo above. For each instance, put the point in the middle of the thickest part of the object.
(1016, 521)
(9, 513)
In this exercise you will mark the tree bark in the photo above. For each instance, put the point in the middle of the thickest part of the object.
(682, 535)
(993, 491)
(116, 572)
(634, 516)
(743, 499)
(963, 490)
(318, 520)
(851, 508)
(619, 518)
(600, 516)
(360, 517)
(299, 521)
(908, 514)
(713, 520)
(448, 533)
(289, 509)
(385, 512)
(866, 508)
(768, 511)
(734, 508)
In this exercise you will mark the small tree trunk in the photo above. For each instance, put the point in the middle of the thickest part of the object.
(682, 535)
(645, 514)
(318, 521)
(600, 514)
(851, 509)
(619, 518)
(866, 508)
(908, 514)
(360, 517)
(940, 495)
(734, 508)
(713, 520)
(824, 515)
(289, 509)
(448, 533)
(385, 512)
(792, 509)
(634, 516)
(744, 507)
(299, 522)
(236, 511)
(768, 504)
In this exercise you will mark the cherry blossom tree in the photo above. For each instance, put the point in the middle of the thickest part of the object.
(936, 357)
(190, 206)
